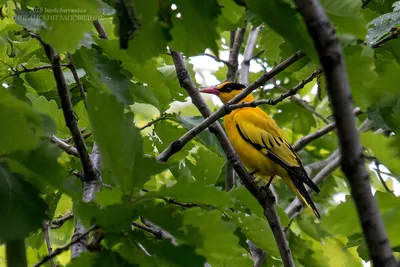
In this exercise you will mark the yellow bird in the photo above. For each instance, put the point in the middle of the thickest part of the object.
(261, 145)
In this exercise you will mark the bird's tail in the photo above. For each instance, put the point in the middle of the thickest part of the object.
(301, 192)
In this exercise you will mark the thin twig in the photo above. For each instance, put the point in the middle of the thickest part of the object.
(264, 196)
(57, 223)
(301, 102)
(225, 109)
(332, 60)
(233, 56)
(72, 68)
(47, 239)
(215, 58)
(392, 35)
(275, 101)
(150, 123)
(155, 230)
(378, 172)
(64, 146)
(305, 140)
(64, 248)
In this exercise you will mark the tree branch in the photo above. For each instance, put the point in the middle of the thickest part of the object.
(90, 173)
(155, 230)
(64, 248)
(331, 57)
(225, 109)
(64, 146)
(100, 29)
(57, 223)
(392, 35)
(72, 68)
(47, 239)
(233, 56)
(305, 140)
(215, 58)
(248, 55)
(378, 172)
(283, 96)
(264, 197)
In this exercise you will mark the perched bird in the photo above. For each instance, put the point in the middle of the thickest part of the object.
(261, 145)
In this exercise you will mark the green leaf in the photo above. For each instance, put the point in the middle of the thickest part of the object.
(120, 143)
(153, 35)
(206, 137)
(208, 166)
(22, 210)
(383, 149)
(42, 168)
(187, 191)
(232, 15)
(75, 21)
(271, 42)
(345, 8)
(195, 29)
(51, 109)
(381, 26)
(257, 230)
(293, 30)
(41, 81)
(105, 73)
(218, 242)
(21, 124)
(146, 73)
(351, 225)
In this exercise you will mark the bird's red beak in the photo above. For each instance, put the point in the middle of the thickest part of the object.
(210, 90)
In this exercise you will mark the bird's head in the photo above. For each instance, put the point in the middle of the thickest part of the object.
(227, 90)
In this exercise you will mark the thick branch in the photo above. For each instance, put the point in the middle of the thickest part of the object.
(222, 111)
(248, 55)
(62, 249)
(331, 57)
(89, 172)
(264, 197)
(100, 29)
(233, 56)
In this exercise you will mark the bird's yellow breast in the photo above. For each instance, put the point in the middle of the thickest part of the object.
(252, 158)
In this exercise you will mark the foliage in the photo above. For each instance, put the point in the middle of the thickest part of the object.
(132, 99)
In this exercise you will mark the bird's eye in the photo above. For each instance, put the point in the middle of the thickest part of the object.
(228, 90)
